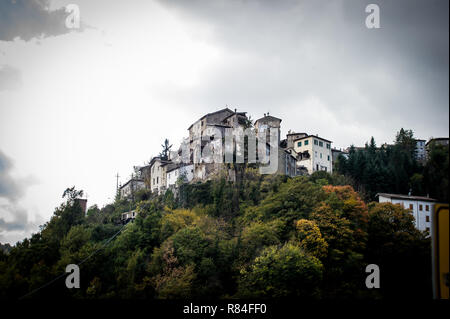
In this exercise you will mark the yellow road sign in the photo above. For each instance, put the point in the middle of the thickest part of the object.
(440, 244)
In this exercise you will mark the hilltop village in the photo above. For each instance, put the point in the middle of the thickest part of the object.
(297, 154)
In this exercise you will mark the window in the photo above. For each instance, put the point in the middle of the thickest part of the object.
(428, 228)
(153, 181)
(315, 142)
(320, 143)
(320, 155)
(420, 207)
(328, 146)
(315, 153)
(299, 144)
(411, 206)
(157, 180)
(306, 142)
(427, 208)
(427, 219)
(328, 157)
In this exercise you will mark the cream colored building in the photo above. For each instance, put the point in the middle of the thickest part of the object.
(314, 153)
(158, 176)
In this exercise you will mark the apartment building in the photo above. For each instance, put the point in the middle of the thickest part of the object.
(421, 207)
(314, 153)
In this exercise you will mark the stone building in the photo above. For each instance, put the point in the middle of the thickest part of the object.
(175, 172)
(206, 138)
(267, 124)
(131, 187)
(158, 182)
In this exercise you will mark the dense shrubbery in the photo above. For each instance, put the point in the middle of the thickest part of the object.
(267, 236)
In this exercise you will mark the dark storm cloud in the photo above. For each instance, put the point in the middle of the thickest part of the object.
(10, 78)
(280, 53)
(19, 222)
(11, 190)
(29, 19)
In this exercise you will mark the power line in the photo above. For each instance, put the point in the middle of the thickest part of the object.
(80, 263)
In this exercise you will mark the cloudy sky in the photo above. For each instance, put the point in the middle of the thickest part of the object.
(78, 106)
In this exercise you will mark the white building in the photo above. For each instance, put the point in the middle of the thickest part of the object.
(420, 207)
(158, 174)
(421, 153)
(174, 173)
(127, 216)
(314, 153)
(130, 187)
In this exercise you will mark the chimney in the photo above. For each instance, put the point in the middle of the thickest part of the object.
(264, 114)
(235, 110)
(83, 204)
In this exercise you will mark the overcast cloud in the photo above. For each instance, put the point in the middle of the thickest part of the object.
(14, 219)
(27, 19)
(78, 107)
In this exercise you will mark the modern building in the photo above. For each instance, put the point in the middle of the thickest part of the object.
(421, 154)
(421, 207)
(314, 153)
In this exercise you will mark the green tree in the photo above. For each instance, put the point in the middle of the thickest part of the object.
(165, 150)
(400, 250)
(436, 172)
(281, 272)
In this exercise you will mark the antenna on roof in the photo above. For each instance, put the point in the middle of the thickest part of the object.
(117, 181)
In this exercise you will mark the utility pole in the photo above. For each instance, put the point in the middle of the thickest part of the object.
(117, 181)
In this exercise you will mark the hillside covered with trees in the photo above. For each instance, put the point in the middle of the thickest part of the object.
(394, 169)
(264, 237)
